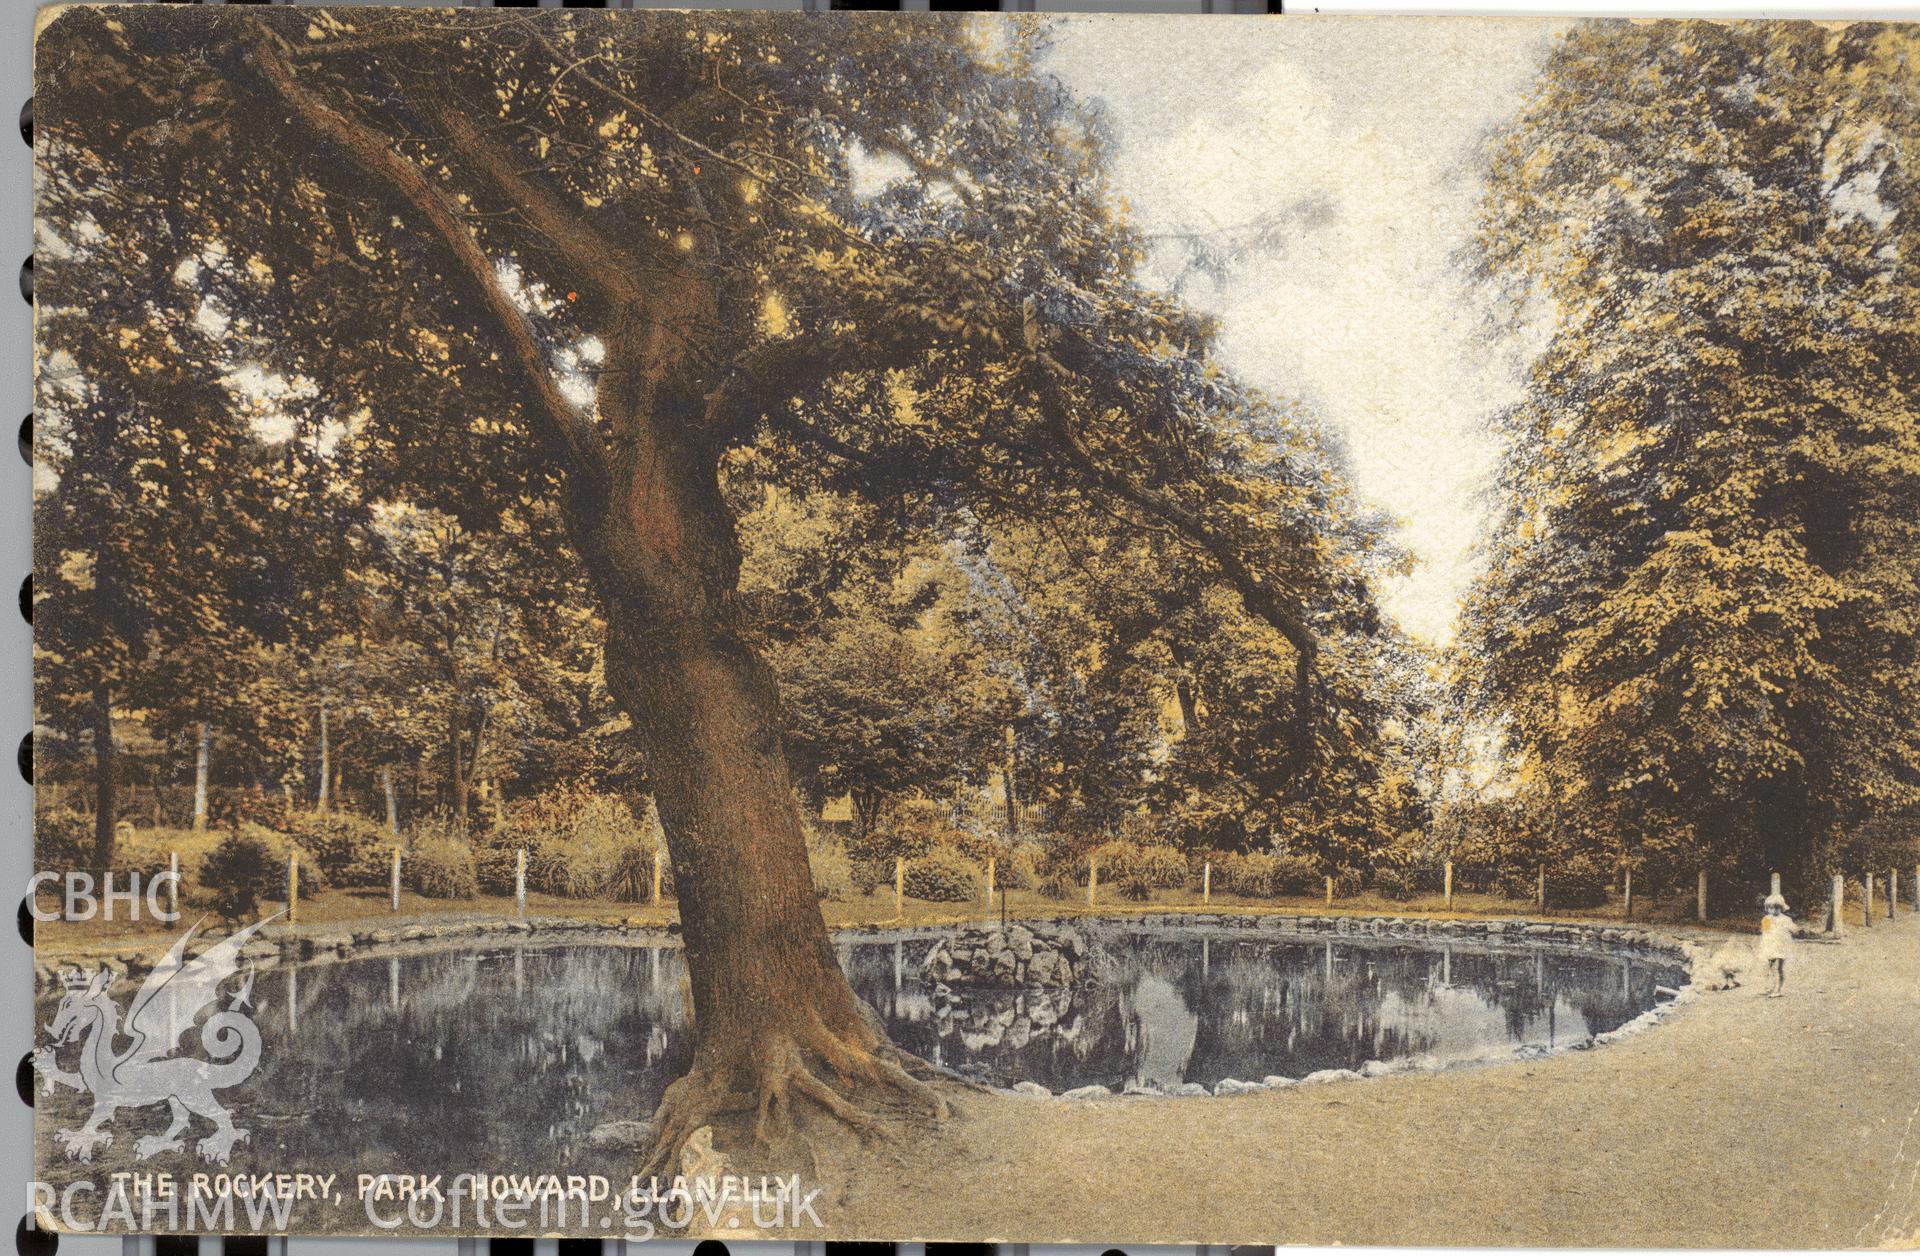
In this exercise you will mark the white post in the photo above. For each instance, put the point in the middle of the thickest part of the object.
(395, 879)
(520, 881)
(1893, 892)
(1776, 884)
(1449, 884)
(1329, 889)
(1700, 908)
(1093, 878)
(293, 886)
(1839, 901)
(899, 885)
(989, 882)
(173, 883)
(1629, 892)
(1866, 901)
(1206, 883)
(1540, 890)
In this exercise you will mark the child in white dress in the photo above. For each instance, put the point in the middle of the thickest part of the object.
(1776, 938)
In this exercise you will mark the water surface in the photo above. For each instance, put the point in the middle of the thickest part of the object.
(510, 1055)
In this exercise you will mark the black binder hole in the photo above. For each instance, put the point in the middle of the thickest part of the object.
(30, 1240)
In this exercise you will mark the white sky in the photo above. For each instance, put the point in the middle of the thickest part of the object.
(1370, 126)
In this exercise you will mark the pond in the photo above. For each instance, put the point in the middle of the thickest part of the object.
(513, 1054)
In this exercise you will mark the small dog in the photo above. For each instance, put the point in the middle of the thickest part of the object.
(1722, 970)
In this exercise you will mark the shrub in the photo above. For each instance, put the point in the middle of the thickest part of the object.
(147, 851)
(240, 871)
(62, 840)
(252, 806)
(440, 867)
(1296, 874)
(349, 850)
(1262, 874)
(870, 874)
(1581, 880)
(1021, 869)
(1136, 887)
(1396, 882)
(1165, 867)
(495, 854)
(910, 830)
(579, 844)
(1155, 867)
(1059, 886)
(943, 875)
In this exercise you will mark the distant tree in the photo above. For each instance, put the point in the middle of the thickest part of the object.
(171, 530)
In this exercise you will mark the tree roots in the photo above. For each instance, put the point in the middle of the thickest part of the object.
(782, 1080)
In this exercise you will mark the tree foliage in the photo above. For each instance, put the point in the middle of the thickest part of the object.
(1699, 615)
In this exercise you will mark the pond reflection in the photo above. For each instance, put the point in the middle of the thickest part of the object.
(1201, 1009)
(512, 1056)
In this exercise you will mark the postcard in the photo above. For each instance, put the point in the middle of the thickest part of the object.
(977, 627)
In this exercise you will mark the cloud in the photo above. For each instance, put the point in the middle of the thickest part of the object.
(1368, 129)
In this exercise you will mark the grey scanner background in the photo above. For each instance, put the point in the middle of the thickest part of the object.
(16, 804)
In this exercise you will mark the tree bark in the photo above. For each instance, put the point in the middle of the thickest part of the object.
(1011, 784)
(774, 1015)
(393, 801)
(457, 777)
(326, 763)
(104, 804)
(201, 762)
(1189, 708)
(866, 809)
(772, 1009)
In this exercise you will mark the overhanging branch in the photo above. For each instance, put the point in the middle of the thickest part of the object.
(1261, 601)
(564, 428)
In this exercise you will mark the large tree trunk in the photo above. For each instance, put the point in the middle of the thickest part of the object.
(773, 1012)
(201, 763)
(104, 804)
(779, 1032)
